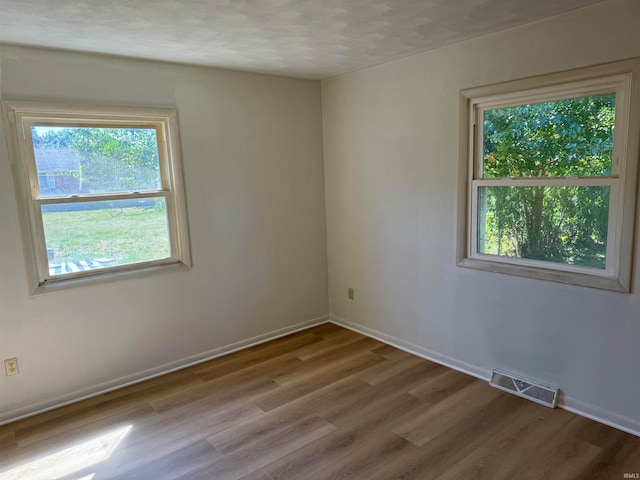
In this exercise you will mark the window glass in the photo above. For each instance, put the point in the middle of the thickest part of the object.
(95, 160)
(90, 235)
(570, 137)
(566, 225)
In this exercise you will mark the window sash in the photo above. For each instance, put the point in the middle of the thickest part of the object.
(32, 170)
(618, 84)
(611, 268)
(41, 244)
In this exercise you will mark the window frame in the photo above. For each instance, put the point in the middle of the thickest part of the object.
(619, 77)
(22, 115)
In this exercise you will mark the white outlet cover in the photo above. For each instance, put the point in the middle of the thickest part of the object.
(11, 366)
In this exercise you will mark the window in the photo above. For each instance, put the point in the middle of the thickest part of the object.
(551, 168)
(101, 190)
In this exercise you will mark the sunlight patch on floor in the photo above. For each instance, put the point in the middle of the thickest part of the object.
(70, 460)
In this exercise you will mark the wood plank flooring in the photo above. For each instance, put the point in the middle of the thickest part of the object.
(325, 403)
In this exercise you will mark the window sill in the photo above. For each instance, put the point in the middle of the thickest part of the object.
(551, 275)
(107, 277)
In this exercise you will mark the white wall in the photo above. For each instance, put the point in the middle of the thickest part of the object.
(252, 154)
(390, 143)
(252, 151)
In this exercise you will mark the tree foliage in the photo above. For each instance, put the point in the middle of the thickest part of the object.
(565, 138)
(111, 159)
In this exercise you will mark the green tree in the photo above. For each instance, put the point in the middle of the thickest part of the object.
(115, 159)
(111, 159)
(56, 137)
(565, 138)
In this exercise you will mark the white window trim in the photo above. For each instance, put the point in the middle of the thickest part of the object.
(621, 77)
(20, 115)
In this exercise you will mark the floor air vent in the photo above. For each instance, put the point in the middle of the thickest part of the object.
(536, 392)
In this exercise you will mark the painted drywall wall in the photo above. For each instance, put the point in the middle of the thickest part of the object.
(391, 157)
(252, 155)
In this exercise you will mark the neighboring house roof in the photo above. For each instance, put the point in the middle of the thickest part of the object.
(56, 159)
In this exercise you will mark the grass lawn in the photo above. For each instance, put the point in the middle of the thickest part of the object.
(125, 235)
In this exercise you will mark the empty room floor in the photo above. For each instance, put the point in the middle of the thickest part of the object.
(324, 403)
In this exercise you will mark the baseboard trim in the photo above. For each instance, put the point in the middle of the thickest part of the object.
(415, 349)
(600, 415)
(102, 388)
(606, 417)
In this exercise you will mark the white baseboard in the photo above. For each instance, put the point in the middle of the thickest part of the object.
(607, 417)
(576, 406)
(85, 393)
(415, 349)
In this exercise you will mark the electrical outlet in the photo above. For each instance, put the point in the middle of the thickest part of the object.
(350, 293)
(11, 366)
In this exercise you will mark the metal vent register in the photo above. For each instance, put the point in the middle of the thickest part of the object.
(536, 392)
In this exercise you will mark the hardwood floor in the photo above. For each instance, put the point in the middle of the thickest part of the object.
(326, 403)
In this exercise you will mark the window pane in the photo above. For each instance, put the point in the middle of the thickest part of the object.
(88, 235)
(74, 160)
(565, 225)
(572, 137)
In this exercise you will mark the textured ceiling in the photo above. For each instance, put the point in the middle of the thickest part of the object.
(301, 38)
